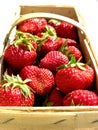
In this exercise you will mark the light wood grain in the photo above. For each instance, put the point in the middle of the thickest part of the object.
(38, 119)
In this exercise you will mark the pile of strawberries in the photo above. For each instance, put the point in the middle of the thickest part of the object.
(45, 67)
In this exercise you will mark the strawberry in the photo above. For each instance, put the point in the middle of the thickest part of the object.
(15, 92)
(46, 56)
(47, 41)
(53, 59)
(54, 98)
(64, 29)
(72, 50)
(42, 80)
(50, 31)
(21, 52)
(49, 44)
(74, 76)
(33, 25)
(69, 42)
(81, 98)
(28, 38)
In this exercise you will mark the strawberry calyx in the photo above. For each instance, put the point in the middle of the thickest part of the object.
(74, 63)
(16, 81)
(63, 47)
(20, 34)
(54, 21)
(50, 31)
(24, 38)
(23, 41)
(64, 50)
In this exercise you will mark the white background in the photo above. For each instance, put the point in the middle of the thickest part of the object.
(88, 9)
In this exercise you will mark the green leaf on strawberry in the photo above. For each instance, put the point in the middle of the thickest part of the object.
(73, 63)
(23, 41)
(63, 47)
(50, 31)
(15, 81)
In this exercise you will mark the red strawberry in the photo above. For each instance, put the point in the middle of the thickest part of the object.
(50, 31)
(47, 40)
(27, 38)
(72, 78)
(41, 24)
(64, 29)
(55, 98)
(20, 53)
(42, 80)
(33, 25)
(53, 59)
(49, 44)
(81, 98)
(15, 92)
(69, 42)
(72, 50)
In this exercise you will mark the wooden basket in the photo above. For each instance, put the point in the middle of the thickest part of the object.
(49, 118)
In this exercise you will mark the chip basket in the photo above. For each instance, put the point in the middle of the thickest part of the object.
(61, 118)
